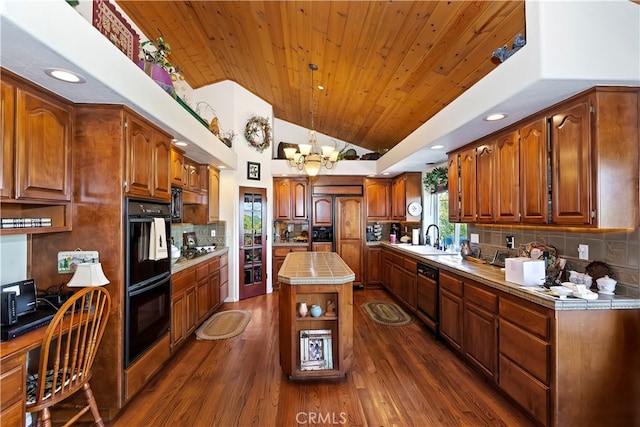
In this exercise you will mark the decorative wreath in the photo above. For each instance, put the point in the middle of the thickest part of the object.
(258, 133)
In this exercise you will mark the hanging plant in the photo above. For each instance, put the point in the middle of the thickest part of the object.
(258, 133)
(435, 179)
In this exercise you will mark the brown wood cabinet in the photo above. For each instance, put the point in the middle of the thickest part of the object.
(341, 327)
(453, 179)
(197, 292)
(36, 157)
(533, 167)
(279, 254)
(193, 176)
(177, 167)
(373, 267)
(525, 355)
(377, 194)
(451, 309)
(214, 194)
(581, 173)
(349, 234)
(147, 160)
(405, 189)
(291, 199)
(321, 247)
(322, 211)
(480, 328)
(13, 379)
(485, 155)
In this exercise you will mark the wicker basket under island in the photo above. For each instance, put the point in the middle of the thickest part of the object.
(316, 343)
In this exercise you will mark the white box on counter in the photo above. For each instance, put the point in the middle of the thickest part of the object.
(524, 271)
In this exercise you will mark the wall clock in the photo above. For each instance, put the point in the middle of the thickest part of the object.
(414, 208)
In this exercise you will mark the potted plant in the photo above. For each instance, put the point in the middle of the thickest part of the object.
(436, 179)
(155, 63)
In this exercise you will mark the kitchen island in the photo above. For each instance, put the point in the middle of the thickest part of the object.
(316, 345)
(564, 361)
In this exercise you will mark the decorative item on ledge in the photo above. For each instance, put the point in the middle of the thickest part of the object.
(436, 180)
(114, 27)
(154, 62)
(258, 133)
(503, 53)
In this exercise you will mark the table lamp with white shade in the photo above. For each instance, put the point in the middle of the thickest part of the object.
(88, 274)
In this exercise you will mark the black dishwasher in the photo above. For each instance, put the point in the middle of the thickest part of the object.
(428, 295)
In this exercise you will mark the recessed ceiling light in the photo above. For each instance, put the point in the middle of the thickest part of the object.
(436, 147)
(222, 167)
(64, 75)
(320, 87)
(385, 173)
(181, 144)
(494, 117)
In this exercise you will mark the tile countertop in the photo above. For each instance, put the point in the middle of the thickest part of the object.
(291, 243)
(494, 277)
(315, 268)
(184, 263)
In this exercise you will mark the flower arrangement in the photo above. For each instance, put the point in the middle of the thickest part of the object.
(258, 133)
(438, 177)
(156, 52)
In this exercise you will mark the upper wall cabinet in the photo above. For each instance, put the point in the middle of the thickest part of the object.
(177, 167)
(291, 198)
(377, 195)
(575, 164)
(43, 147)
(147, 160)
(594, 159)
(405, 189)
(36, 159)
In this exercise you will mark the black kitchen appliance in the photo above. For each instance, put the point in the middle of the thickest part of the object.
(428, 295)
(321, 234)
(147, 281)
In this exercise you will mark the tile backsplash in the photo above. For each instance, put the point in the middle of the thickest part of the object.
(203, 233)
(618, 249)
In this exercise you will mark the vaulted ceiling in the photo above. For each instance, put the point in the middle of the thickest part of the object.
(386, 67)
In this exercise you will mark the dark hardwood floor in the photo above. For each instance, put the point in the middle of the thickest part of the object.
(402, 376)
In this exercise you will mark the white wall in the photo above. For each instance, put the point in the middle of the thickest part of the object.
(235, 106)
(13, 258)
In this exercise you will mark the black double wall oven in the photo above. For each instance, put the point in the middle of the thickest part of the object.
(147, 281)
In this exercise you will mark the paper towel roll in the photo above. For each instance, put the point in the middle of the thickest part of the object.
(415, 236)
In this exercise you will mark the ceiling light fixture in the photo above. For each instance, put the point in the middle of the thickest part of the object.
(494, 117)
(181, 144)
(64, 75)
(436, 147)
(309, 157)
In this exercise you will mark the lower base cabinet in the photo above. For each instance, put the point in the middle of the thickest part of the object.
(373, 267)
(197, 292)
(279, 254)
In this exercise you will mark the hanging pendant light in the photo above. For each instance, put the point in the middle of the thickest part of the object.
(309, 158)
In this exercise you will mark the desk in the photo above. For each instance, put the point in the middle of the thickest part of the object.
(13, 375)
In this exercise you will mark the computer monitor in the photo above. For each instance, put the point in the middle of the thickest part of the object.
(25, 295)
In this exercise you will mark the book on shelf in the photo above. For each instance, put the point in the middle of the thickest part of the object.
(316, 350)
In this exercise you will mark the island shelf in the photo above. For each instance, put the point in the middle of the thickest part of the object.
(316, 278)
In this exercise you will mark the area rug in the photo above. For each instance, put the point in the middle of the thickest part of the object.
(225, 324)
(387, 313)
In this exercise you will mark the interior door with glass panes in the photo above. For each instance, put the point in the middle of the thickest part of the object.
(252, 242)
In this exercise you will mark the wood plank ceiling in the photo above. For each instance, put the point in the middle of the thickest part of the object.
(386, 67)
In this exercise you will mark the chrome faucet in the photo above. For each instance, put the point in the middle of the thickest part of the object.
(427, 238)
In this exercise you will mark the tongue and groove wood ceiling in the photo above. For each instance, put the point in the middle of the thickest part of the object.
(387, 67)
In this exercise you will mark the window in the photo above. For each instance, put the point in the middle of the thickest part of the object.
(450, 233)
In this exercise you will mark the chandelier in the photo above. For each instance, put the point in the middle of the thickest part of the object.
(309, 157)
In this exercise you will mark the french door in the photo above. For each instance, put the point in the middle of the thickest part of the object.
(252, 242)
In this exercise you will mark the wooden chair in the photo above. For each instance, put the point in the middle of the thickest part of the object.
(67, 355)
